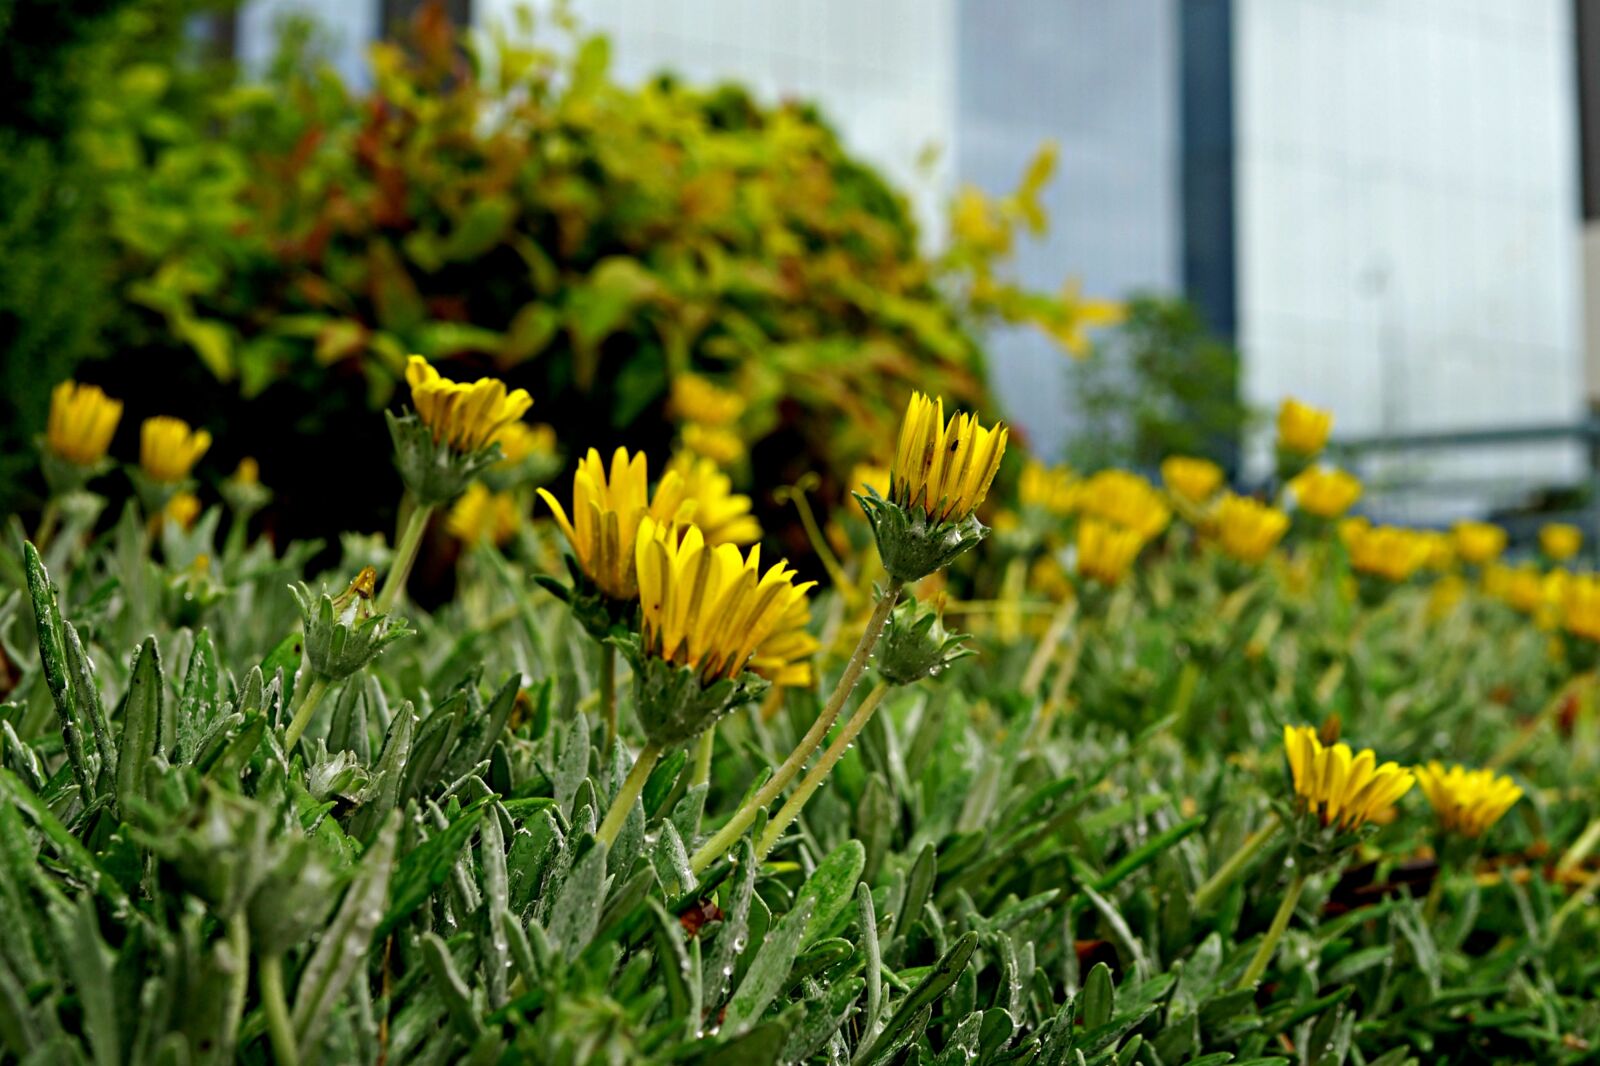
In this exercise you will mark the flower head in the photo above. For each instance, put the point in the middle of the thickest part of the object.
(869, 476)
(465, 417)
(169, 448)
(1106, 550)
(1479, 542)
(1126, 500)
(1247, 529)
(1580, 607)
(82, 421)
(248, 472)
(1466, 801)
(183, 509)
(1560, 541)
(1389, 552)
(720, 513)
(784, 655)
(943, 468)
(1303, 429)
(607, 510)
(698, 399)
(519, 441)
(1051, 489)
(1325, 491)
(705, 606)
(717, 443)
(1338, 787)
(1191, 479)
(480, 515)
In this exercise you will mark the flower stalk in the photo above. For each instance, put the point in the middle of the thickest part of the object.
(632, 786)
(305, 706)
(1269, 943)
(405, 556)
(269, 975)
(1207, 895)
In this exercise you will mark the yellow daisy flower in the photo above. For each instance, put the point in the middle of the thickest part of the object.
(518, 441)
(1192, 479)
(1479, 542)
(1303, 429)
(1338, 787)
(698, 399)
(1052, 489)
(721, 514)
(169, 448)
(1125, 499)
(1247, 529)
(1106, 550)
(481, 515)
(1388, 552)
(1560, 541)
(464, 416)
(944, 468)
(1465, 801)
(1325, 491)
(720, 445)
(82, 421)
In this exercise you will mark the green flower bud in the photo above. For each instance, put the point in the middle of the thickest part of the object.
(916, 645)
(911, 544)
(673, 704)
(342, 633)
(434, 472)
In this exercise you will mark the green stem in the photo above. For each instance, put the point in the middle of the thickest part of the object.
(702, 756)
(1578, 899)
(1206, 895)
(269, 975)
(49, 518)
(307, 702)
(725, 837)
(405, 554)
(1430, 907)
(1033, 676)
(813, 780)
(608, 695)
(239, 986)
(618, 814)
(1269, 943)
(1580, 849)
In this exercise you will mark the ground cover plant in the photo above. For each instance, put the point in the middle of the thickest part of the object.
(1208, 778)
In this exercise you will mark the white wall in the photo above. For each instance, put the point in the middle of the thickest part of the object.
(346, 30)
(1408, 217)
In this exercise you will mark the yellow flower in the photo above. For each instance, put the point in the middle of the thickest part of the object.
(464, 416)
(1479, 542)
(183, 508)
(944, 468)
(1388, 552)
(784, 656)
(1580, 606)
(248, 472)
(722, 446)
(1105, 550)
(1338, 787)
(1125, 499)
(1078, 314)
(168, 448)
(1247, 529)
(606, 515)
(480, 515)
(721, 514)
(518, 441)
(704, 606)
(1049, 488)
(1303, 429)
(1192, 479)
(82, 420)
(1325, 491)
(1438, 550)
(1560, 541)
(1466, 801)
(1522, 587)
(869, 475)
(697, 399)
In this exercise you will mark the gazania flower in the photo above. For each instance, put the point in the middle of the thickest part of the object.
(1105, 550)
(1247, 529)
(784, 655)
(1389, 552)
(82, 421)
(1325, 491)
(466, 417)
(1191, 479)
(518, 441)
(183, 508)
(1479, 542)
(1466, 801)
(1580, 607)
(869, 476)
(169, 448)
(697, 399)
(1126, 500)
(707, 607)
(1560, 541)
(607, 511)
(248, 472)
(1303, 429)
(717, 443)
(720, 513)
(1052, 489)
(944, 468)
(481, 515)
(1338, 787)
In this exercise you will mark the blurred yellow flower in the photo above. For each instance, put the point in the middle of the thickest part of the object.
(722, 514)
(1303, 429)
(607, 512)
(1325, 491)
(722, 446)
(944, 468)
(168, 448)
(183, 509)
(1125, 499)
(1522, 587)
(1465, 801)
(1439, 550)
(1106, 551)
(784, 655)
(1580, 606)
(1479, 542)
(1560, 541)
(479, 515)
(1078, 314)
(1052, 489)
(697, 399)
(870, 475)
(1247, 529)
(707, 607)
(518, 441)
(467, 417)
(82, 421)
(1388, 552)
(1193, 479)
(248, 472)
(1338, 787)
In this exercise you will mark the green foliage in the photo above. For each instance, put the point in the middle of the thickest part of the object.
(1164, 385)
